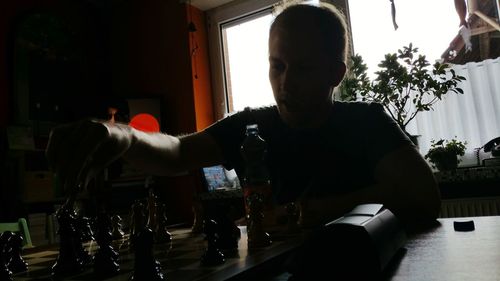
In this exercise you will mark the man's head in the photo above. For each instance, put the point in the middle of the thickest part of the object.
(307, 54)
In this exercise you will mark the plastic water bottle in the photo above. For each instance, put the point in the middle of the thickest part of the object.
(256, 180)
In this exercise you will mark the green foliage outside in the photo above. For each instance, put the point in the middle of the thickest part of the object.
(404, 85)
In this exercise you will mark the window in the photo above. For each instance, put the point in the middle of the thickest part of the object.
(246, 61)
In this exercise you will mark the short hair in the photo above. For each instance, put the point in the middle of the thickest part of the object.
(326, 17)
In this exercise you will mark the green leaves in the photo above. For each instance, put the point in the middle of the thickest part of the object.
(442, 147)
(404, 85)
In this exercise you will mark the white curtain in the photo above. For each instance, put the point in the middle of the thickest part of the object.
(473, 117)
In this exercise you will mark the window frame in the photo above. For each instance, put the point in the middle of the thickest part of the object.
(218, 18)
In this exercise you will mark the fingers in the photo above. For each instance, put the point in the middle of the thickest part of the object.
(74, 164)
(56, 137)
(106, 153)
(71, 147)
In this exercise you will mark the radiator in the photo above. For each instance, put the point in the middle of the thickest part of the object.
(469, 207)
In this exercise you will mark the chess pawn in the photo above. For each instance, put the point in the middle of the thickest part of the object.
(212, 255)
(17, 263)
(137, 218)
(117, 232)
(162, 235)
(292, 218)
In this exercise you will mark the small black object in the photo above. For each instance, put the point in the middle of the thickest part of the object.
(463, 225)
(357, 246)
(17, 263)
(146, 267)
(85, 229)
(212, 256)
(116, 223)
(5, 273)
(69, 261)
(106, 258)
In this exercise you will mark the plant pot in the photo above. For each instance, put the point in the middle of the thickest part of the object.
(446, 161)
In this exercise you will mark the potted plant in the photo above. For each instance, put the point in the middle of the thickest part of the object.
(404, 85)
(443, 154)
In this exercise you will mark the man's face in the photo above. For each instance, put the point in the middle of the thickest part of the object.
(302, 76)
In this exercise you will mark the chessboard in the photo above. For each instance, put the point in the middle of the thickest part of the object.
(180, 259)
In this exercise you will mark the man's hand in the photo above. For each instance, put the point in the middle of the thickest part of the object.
(77, 152)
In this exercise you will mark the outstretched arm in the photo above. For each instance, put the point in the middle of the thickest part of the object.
(163, 154)
(77, 152)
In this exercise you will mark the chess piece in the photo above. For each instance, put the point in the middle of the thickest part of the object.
(292, 212)
(16, 263)
(257, 236)
(212, 255)
(146, 267)
(116, 223)
(198, 215)
(137, 218)
(5, 273)
(105, 260)
(69, 260)
(86, 231)
(162, 235)
(152, 222)
(227, 231)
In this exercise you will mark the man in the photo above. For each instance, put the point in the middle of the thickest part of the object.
(328, 155)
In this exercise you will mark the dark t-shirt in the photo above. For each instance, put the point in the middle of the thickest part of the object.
(335, 159)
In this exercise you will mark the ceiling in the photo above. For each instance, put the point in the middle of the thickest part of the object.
(205, 5)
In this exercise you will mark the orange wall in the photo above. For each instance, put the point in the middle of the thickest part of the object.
(202, 87)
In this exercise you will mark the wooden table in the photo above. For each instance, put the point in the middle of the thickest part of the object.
(441, 253)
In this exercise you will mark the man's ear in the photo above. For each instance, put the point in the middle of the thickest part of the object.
(338, 72)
